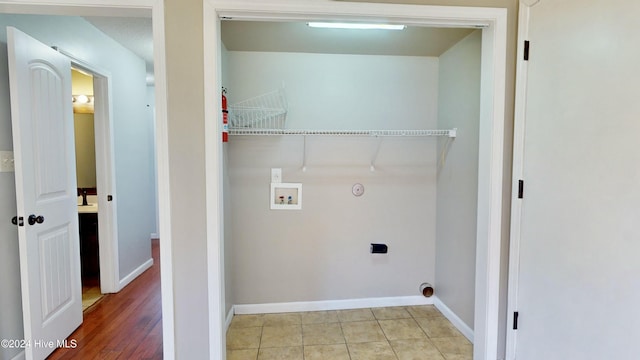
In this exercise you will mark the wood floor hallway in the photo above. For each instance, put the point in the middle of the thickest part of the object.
(126, 325)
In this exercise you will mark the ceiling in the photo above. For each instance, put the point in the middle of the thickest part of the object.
(135, 33)
(298, 37)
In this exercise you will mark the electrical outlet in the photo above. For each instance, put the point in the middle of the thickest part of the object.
(6, 161)
(276, 175)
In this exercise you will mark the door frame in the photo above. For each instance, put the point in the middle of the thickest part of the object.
(105, 175)
(493, 22)
(133, 8)
(519, 126)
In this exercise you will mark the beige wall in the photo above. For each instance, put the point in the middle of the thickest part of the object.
(322, 251)
(185, 110)
(82, 84)
(85, 150)
(457, 201)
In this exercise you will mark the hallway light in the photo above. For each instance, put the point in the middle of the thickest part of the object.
(83, 104)
(82, 99)
(355, 26)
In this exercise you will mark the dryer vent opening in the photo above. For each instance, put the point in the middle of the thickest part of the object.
(426, 289)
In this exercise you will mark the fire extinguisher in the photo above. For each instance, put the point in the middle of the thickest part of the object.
(225, 117)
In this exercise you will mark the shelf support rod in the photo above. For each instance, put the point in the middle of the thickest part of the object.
(375, 155)
(304, 153)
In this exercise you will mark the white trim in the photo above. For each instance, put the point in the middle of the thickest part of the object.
(154, 236)
(137, 8)
(229, 318)
(493, 22)
(105, 167)
(517, 174)
(105, 174)
(302, 306)
(490, 184)
(442, 16)
(134, 274)
(163, 175)
(214, 191)
(454, 319)
(305, 306)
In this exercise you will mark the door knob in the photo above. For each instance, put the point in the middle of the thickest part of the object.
(32, 220)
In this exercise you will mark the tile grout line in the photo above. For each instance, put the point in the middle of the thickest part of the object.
(339, 320)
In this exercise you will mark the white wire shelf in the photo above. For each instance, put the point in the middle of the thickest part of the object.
(267, 111)
(373, 133)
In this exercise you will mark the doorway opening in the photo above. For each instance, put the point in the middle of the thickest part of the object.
(433, 84)
(88, 214)
(489, 207)
(95, 172)
(101, 83)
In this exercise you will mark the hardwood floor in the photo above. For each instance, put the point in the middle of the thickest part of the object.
(126, 325)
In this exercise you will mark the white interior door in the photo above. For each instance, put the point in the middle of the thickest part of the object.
(578, 281)
(40, 84)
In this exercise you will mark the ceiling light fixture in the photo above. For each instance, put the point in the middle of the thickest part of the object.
(356, 26)
(82, 99)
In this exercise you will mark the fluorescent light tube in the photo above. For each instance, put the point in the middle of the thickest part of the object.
(357, 26)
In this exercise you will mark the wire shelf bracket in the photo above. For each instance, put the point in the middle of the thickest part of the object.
(451, 133)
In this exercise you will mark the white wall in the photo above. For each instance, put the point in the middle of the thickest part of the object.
(459, 107)
(326, 91)
(136, 200)
(322, 251)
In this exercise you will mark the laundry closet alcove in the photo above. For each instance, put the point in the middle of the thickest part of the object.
(401, 121)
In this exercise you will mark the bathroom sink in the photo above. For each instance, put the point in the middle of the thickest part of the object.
(91, 207)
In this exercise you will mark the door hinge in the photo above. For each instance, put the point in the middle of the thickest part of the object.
(515, 320)
(520, 189)
(526, 50)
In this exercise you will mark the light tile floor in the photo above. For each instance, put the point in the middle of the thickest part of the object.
(394, 333)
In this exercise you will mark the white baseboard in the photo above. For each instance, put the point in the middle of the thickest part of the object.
(455, 320)
(331, 305)
(135, 273)
(229, 318)
(154, 236)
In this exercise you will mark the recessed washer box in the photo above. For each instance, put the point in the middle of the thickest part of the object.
(286, 196)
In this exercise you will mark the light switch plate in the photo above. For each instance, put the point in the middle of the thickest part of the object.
(276, 175)
(6, 161)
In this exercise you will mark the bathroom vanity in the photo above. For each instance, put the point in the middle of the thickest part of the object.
(88, 226)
